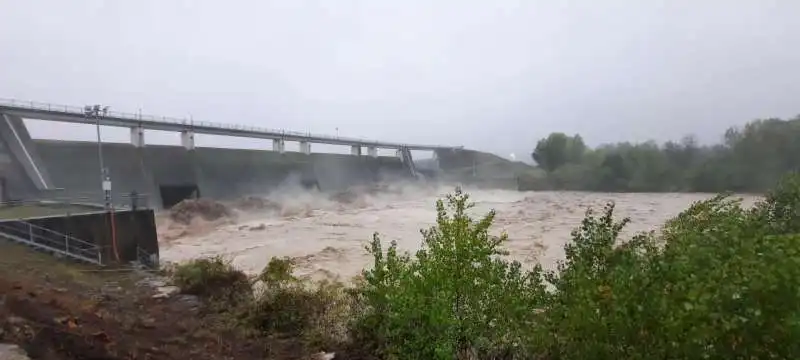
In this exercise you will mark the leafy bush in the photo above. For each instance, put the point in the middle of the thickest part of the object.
(456, 295)
(274, 303)
(780, 210)
(718, 286)
(211, 277)
(285, 305)
(596, 303)
(718, 281)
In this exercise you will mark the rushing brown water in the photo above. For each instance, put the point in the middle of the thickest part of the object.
(327, 238)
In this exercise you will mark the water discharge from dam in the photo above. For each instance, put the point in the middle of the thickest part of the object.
(326, 238)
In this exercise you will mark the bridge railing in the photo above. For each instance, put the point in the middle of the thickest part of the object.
(76, 110)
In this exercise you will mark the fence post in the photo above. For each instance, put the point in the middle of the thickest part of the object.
(66, 243)
(30, 232)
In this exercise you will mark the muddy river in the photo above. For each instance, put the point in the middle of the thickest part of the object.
(327, 238)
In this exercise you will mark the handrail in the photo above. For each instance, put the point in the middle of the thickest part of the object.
(119, 200)
(31, 226)
(88, 202)
(46, 230)
(33, 105)
(55, 242)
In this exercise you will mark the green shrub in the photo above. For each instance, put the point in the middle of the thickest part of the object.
(712, 284)
(732, 287)
(455, 296)
(211, 277)
(596, 304)
(284, 305)
(780, 210)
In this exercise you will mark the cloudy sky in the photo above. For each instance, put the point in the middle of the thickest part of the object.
(492, 75)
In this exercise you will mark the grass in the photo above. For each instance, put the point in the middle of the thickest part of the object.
(20, 260)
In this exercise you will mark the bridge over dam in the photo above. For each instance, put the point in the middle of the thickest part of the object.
(38, 169)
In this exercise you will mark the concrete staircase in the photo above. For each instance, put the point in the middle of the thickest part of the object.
(49, 241)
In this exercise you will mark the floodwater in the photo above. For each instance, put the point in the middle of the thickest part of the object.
(327, 238)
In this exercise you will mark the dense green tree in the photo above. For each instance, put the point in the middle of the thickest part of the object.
(750, 158)
(558, 150)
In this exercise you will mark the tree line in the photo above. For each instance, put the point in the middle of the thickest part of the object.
(748, 159)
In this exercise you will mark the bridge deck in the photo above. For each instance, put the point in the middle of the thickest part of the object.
(74, 114)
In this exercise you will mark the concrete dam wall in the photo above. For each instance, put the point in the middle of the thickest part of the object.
(169, 174)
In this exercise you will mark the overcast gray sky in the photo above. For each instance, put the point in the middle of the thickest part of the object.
(493, 75)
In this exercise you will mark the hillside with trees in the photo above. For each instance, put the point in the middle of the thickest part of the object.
(748, 159)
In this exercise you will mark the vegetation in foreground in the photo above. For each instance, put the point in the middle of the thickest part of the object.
(749, 159)
(717, 282)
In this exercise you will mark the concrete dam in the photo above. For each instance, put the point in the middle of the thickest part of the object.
(171, 173)
(40, 169)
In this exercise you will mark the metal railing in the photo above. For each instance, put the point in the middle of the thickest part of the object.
(76, 110)
(52, 241)
(147, 259)
(122, 201)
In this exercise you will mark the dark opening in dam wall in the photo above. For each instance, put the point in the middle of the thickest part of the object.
(170, 173)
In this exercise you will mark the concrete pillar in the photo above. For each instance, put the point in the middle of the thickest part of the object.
(187, 139)
(399, 153)
(355, 150)
(137, 136)
(20, 146)
(278, 145)
(372, 151)
(305, 147)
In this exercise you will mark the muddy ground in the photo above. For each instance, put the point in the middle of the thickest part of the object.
(57, 310)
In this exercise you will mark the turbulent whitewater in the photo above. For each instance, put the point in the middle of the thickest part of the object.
(326, 237)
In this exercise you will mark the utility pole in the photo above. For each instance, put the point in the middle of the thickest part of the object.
(97, 112)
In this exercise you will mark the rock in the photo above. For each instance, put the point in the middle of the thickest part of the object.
(206, 209)
(15, 320)
(102, 336)
(12, 352)
(323, 356)
(256, 203)
(164, 292)
(259, 227)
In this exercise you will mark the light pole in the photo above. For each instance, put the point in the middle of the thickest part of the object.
(97, 112)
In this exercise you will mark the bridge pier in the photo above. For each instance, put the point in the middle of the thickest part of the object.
(278, 145)
(305, 147)
(187, 139)
(355, 150)
(372, 151)
(137, 136)
(399, 153)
